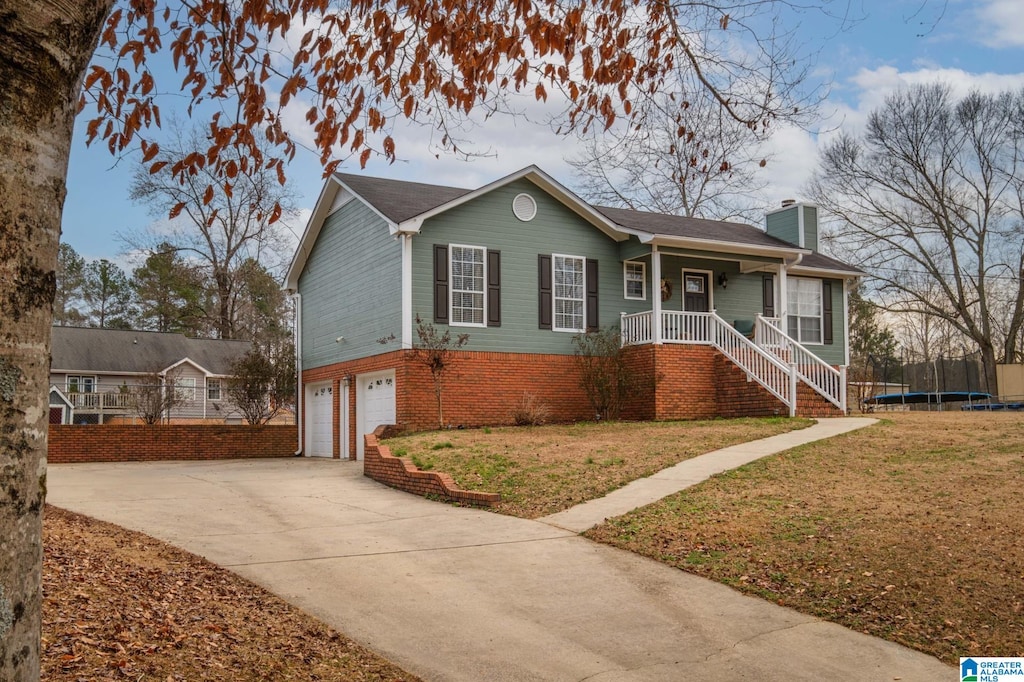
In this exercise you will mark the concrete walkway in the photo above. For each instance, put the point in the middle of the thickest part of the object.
(692, 471)
(469, 595)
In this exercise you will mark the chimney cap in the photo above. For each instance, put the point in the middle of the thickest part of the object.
(786, 203)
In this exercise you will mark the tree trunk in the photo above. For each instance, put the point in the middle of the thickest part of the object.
(44, 49)
(988, 365)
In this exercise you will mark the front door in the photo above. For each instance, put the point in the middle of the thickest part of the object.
(695, 292)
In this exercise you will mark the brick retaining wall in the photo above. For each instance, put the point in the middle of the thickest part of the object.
(143, 443)
(398, 472)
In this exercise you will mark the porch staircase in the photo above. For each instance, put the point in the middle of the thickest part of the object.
(775, 361)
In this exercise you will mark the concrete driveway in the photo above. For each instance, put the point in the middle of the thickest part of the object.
(462, 594)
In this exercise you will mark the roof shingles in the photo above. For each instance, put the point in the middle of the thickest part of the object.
(81, 349)
(399, 200)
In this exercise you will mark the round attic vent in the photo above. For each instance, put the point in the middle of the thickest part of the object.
(524, 207)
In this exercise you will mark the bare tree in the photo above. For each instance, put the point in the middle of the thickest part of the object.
(220, 225)
(695, 161)
(930, 201)
(437, 352)
(154, 396)
(262, 384)
(360, 67)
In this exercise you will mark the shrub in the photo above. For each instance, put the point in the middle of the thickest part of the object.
(530, 411)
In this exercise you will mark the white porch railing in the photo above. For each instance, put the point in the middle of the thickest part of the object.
(106, 400)
(710, 329)
(829, 382)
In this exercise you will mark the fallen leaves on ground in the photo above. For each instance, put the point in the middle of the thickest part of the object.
(119, 605)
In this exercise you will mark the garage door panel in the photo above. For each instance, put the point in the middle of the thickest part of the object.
(321, 417)
(376, 403)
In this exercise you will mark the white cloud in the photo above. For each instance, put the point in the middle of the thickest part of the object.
(794, 151)
(1001, 23)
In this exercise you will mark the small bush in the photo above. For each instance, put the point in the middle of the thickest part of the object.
(530, 411)
(441, 446)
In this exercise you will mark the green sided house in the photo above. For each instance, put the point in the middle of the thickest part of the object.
(720, 319)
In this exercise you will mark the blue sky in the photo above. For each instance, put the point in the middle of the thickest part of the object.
(966, 44)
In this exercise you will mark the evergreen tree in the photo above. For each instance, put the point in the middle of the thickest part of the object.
(67, 299)
(169, 294)
(107, 295)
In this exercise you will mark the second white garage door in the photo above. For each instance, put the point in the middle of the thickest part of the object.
(375, 404)
(319, 420)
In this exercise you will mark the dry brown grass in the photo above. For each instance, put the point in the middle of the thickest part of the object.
(910, 530)
(120, 605)
(541, 470)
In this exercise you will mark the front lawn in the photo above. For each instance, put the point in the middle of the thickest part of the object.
(540, 470)
(910, 530)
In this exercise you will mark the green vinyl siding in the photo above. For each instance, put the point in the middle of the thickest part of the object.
(351, 287)
(488, 221)
(783, 224)
(810, 227)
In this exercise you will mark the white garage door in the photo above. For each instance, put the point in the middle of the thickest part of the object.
(375, 404)
(320, 414)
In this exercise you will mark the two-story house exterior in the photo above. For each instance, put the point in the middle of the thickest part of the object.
(720, 318)
(98, 372)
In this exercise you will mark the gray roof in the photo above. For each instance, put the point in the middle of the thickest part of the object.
(399, 200)
(80, 349)
(820, 261)
(692, 228)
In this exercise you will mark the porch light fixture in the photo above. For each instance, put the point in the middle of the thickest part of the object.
(723, 280)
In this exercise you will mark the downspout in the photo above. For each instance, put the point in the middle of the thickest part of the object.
(299, 395)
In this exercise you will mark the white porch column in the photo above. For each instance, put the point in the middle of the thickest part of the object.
(656, 294)
(405, 240)
(783, 305)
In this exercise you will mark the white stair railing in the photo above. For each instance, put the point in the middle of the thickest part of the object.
(826, 380)
(763, 367)
(775, 375)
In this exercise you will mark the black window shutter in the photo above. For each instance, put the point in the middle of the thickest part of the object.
(826, 310)
(494, 288)
(768, 295)
(441, 283)
(592, 286)
(544, 291)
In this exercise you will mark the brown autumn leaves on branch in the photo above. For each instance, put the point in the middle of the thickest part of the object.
(364, 66)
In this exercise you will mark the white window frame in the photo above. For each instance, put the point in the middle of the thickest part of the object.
(80, 382)
(214, 385)
(184, 388)
(626, 280)
(452, 290)
(555, 298)
(794, 286)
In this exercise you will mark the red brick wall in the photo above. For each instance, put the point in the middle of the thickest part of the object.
(397, 472)
(481, 389)
(137, 443)
(673, 381)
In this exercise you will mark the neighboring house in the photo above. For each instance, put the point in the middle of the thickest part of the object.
(97, 372)
(720, 319)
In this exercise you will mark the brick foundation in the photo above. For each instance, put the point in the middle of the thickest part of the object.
(132, 443)
(482, 389)
(398, 472)
(673, 381)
